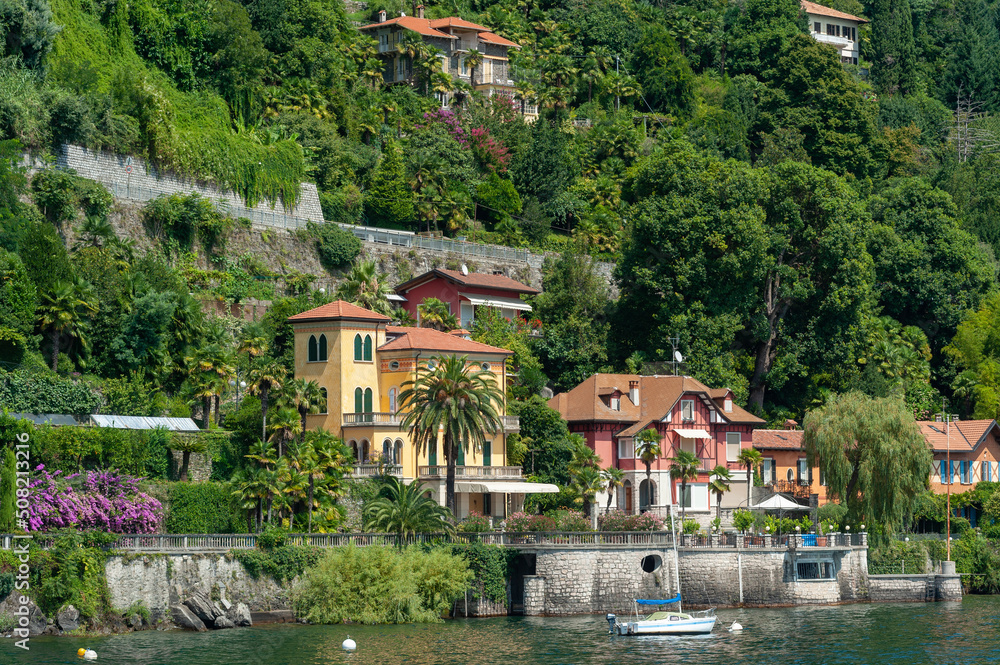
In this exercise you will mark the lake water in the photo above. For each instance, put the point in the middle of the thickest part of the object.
(966, 632)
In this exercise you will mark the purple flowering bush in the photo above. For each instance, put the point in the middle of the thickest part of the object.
(103, 500)
(617, 520)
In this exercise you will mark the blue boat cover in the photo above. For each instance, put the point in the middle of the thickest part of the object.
(675, 599)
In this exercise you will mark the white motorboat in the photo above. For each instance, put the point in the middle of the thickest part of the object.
(663, 623)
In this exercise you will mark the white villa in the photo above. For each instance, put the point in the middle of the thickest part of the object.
(834, 27)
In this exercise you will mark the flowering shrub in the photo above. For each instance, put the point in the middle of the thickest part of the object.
(489, 152)
(104, 500)
(521, 522)
(474, 523)
(570, 520)
(619, 521)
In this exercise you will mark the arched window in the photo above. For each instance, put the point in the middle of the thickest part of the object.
(387, 451)
(368, 400)
(313, 355)
(322, 348)
(323, 400)
(366, 452)
(358, 348)
(368, 347)
(354, 450)
(393, 394)
(647, 494)
(359, 404)
(397, 452)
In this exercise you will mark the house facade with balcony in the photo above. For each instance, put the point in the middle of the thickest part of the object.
(454, 37)
(361, 363)
(839, 29)
(608, 410)
(464, 291)
(970, 449)
(785, 468)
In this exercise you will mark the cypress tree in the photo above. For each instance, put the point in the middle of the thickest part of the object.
(8, 493)
(389, 201)
(894, 69)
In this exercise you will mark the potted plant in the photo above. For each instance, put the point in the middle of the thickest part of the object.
(820, 535)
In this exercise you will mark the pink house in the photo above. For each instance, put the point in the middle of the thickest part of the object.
(463, 291)
(608, 410)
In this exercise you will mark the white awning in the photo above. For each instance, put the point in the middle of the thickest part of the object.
(778, 502)
(395, 297)
(693, 433)
(508, 487)
(497, 301)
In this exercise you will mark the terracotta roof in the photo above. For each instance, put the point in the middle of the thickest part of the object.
(428, 339)
(657, 396)
(813, 8)
(338, 309)
(497, 39)
(418, 25)
(966, 435)
(456, 22)
(472, 279)
(777, 439)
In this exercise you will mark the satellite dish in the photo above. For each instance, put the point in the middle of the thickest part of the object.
(678, 357)
(465, 269)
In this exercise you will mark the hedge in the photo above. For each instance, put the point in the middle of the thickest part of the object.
(203, 508)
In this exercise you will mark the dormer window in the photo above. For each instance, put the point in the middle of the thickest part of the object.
(616, 403)
(728, 405)
(687, 410)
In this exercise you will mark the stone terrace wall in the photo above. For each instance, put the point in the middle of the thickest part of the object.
(915, 588)
(161, 580)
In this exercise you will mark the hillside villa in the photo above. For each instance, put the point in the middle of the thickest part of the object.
(608, 410)
(463, 291)
(361, 363)
(839, 29)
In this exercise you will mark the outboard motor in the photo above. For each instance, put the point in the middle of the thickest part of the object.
(612, 619)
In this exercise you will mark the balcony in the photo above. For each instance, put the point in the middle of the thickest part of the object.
(371, 470)
(790, 487)
(374, 419)
(511, 424)
(471, 472)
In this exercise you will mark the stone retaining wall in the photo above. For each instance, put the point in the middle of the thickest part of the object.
(915, 588)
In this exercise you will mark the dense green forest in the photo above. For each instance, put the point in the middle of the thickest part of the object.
(802, 226)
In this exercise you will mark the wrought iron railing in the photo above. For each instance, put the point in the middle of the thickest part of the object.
(464, 472)
(376, 418)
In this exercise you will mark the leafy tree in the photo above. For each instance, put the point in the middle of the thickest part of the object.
(337, 247)
(873, 456)
(18, 302)
(894, 60)
(972, 67)
(30, 31)
(460, 405)
(388, 200)
(684, 467)
(8, 492)
(366, 287)
(757, 32)
(406, 511)
(545, 434)
(543, 167)
(63, 312)
(435, 314)
(751, 459)
(664, 73)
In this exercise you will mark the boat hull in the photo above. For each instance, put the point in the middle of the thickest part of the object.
(693, 626)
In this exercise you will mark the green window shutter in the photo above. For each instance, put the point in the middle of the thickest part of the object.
(313, 356)
(368, 347)
(368, 400)
(487, 452)
(460, 458)
(432, 453)
(359, 405)
(358, 352)
(322, 348)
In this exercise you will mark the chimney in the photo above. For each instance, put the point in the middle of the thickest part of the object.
(633, 392)
(420, 11)
(381, 16)
(791, 424)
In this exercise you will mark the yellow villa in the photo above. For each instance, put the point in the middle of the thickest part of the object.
(361, 363)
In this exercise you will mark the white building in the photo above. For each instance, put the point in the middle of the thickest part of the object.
(833, 27)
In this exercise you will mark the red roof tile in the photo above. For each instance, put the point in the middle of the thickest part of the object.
(497, 39)
(418, 25)
(472, 279)
(813, 8)
(965, 435)
(777, 439)
(338, 309)
(428, 339)
(456, 22)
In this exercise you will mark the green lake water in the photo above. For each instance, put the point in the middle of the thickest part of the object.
(966, 632)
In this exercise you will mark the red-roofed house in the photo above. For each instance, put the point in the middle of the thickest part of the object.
(361, 363)
(454, 38)
(464, 291)
(839, 29)
(785, 467)
(608, 410)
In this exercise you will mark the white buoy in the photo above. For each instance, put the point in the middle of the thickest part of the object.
(349, 644)
(736, 626)
(90, 654)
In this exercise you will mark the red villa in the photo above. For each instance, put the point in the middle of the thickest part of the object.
(610, 409)
(463, 291)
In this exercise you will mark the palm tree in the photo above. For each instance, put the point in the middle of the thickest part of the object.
(587, 481)
(719, 485)
(186, 444)
(307, 398)
(613, 479)
(95, 231)
(247, 491)
(366, 287)
(252, 341)
(461, 405)
(284, 426)
(264, 378)
(751, 459)
(63, 312)
(647, 449)
(434, 314)
(473, 59)
(405, 511)
(684, 466)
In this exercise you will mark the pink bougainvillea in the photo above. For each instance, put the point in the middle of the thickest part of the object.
(490, 152)
(104, 500)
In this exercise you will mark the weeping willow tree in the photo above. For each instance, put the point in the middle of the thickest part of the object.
(873, 456)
